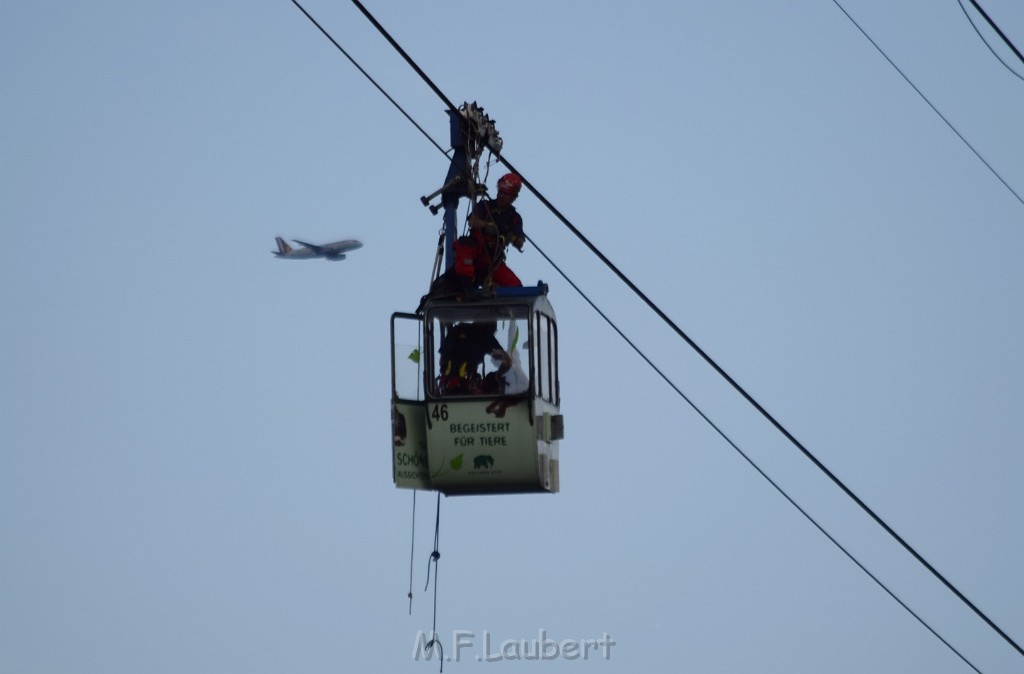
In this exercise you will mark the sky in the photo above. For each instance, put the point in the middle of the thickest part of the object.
(195, 436)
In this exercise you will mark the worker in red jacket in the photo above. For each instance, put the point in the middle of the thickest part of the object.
(493, 225)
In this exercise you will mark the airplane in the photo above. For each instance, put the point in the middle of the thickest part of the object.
(329, 251)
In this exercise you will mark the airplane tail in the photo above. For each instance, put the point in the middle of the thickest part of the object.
(282, 247)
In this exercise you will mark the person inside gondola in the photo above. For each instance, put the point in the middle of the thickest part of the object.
(463, 350)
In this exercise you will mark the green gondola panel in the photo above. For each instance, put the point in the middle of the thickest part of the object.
(475, 395)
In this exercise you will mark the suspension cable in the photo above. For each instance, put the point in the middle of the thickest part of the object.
(714, 365)
(985, 41)
(710, 361)
(367, 76)
(753, 464)
(941, 116)
(998, 31)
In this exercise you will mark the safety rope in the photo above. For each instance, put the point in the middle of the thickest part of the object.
(438, 258)
(434, 557)
(496, 252)
(412, 548)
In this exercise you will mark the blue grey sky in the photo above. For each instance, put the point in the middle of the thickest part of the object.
(195, 437)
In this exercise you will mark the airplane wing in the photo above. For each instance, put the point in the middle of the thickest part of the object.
(315, 248)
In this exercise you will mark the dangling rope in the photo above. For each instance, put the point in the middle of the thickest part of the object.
(412, 548)
(434, 557)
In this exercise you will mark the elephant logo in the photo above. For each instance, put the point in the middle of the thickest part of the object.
(483, 461)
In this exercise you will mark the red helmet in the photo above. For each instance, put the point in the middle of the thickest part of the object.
(510, 183)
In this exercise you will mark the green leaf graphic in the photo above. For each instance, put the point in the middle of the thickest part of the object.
(456, 463)
(415, 356)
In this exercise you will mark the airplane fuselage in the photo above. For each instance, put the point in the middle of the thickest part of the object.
(328, 251)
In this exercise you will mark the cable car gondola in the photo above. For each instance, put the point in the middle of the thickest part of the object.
(477, 428)
(462, 423)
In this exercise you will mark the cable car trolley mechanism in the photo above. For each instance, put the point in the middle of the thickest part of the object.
(475, 393)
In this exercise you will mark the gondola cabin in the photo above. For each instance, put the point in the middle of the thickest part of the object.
(475, 398)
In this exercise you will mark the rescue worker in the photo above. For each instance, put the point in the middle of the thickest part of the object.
(493, 225)
(462, 352)
(479, 257)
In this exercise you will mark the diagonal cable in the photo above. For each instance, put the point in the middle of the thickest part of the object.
(367, 76)
(941, 116)
(871, 513)
(998, 31)
(710, 361)
(753, 464)
(985, 42)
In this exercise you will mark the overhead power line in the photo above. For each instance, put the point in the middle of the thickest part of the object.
(451, 107)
